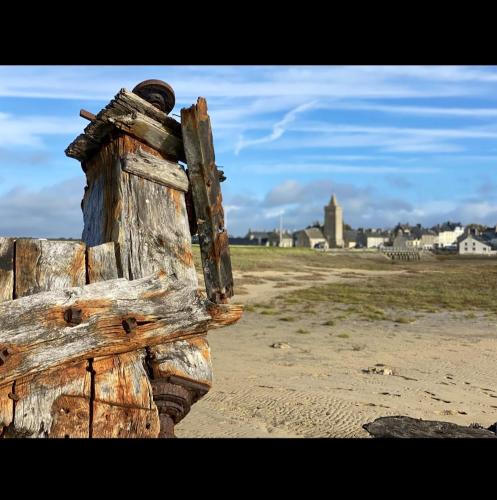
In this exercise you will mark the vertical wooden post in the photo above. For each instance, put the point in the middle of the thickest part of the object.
(135, 198)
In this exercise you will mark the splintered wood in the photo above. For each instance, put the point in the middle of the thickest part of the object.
(207, 199)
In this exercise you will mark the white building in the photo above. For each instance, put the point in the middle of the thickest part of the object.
(449, 238)
(475, 245)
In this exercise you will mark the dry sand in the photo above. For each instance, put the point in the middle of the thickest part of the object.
(317, 384)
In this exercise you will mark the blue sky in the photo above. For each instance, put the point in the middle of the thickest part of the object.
(395, 143)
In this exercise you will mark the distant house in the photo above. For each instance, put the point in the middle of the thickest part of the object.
(350, 238)
(406, 242)
(372, 238)
(472, 244)
(312, 237)
(428, 240)
(262, 237)
(270, 238)
(285, 241)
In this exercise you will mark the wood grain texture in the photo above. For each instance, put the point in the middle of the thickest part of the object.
(38, 396)
(43, 265)
(147, 222)
(6, 406)
(188, 359)
(151, 132)
(153, 169)
(408, 427)
(102, 263)
(120, 421)
(6, 268)
(6, 293)
(149, 124)
(48, 265)
(207, 199)
(38, 336)
(118, 380)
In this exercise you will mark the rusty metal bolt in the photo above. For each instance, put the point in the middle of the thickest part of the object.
(129, 324)
(73, 316)
(4, 354)
(13, 396)
(158, 93)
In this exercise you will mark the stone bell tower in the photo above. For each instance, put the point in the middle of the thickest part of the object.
(333, 223)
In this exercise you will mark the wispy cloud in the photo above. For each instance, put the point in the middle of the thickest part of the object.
(29, 130)
(278, 128)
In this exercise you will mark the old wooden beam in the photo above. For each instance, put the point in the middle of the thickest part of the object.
(35, 335)
(407, 427)
(207, 199)
(149, 131)
(139, 118)
(156, 170)
(87, 115)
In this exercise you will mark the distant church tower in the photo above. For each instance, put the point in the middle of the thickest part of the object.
(333, 223)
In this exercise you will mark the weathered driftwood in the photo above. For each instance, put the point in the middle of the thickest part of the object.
(131, 113)
(6, 268)
(53, 328)
(156, 170)
(407, 427)
(207, 199)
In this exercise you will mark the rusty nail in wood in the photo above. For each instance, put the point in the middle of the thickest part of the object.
(13, 396)
(129, 324)
(73, 316)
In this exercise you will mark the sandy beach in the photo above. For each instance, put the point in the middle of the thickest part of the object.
(308, 377)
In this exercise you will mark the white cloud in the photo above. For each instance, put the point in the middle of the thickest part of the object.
(279, 128)
(28, 131)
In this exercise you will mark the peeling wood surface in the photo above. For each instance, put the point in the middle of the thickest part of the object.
(156, 170)
(40, 397)
(151, 132)
(102, 263)
(37, 334)
(6, 268)
(6, 406)
(187, 359)
(123, 380)
(48, 265)
(148, 123)
(71, 417)
(207, 199)
(120, 421)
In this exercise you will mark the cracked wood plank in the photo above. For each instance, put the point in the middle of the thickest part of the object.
(48, 329)
(43, 265)
(207, 199)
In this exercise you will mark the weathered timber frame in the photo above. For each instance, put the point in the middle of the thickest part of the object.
(119, 315)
